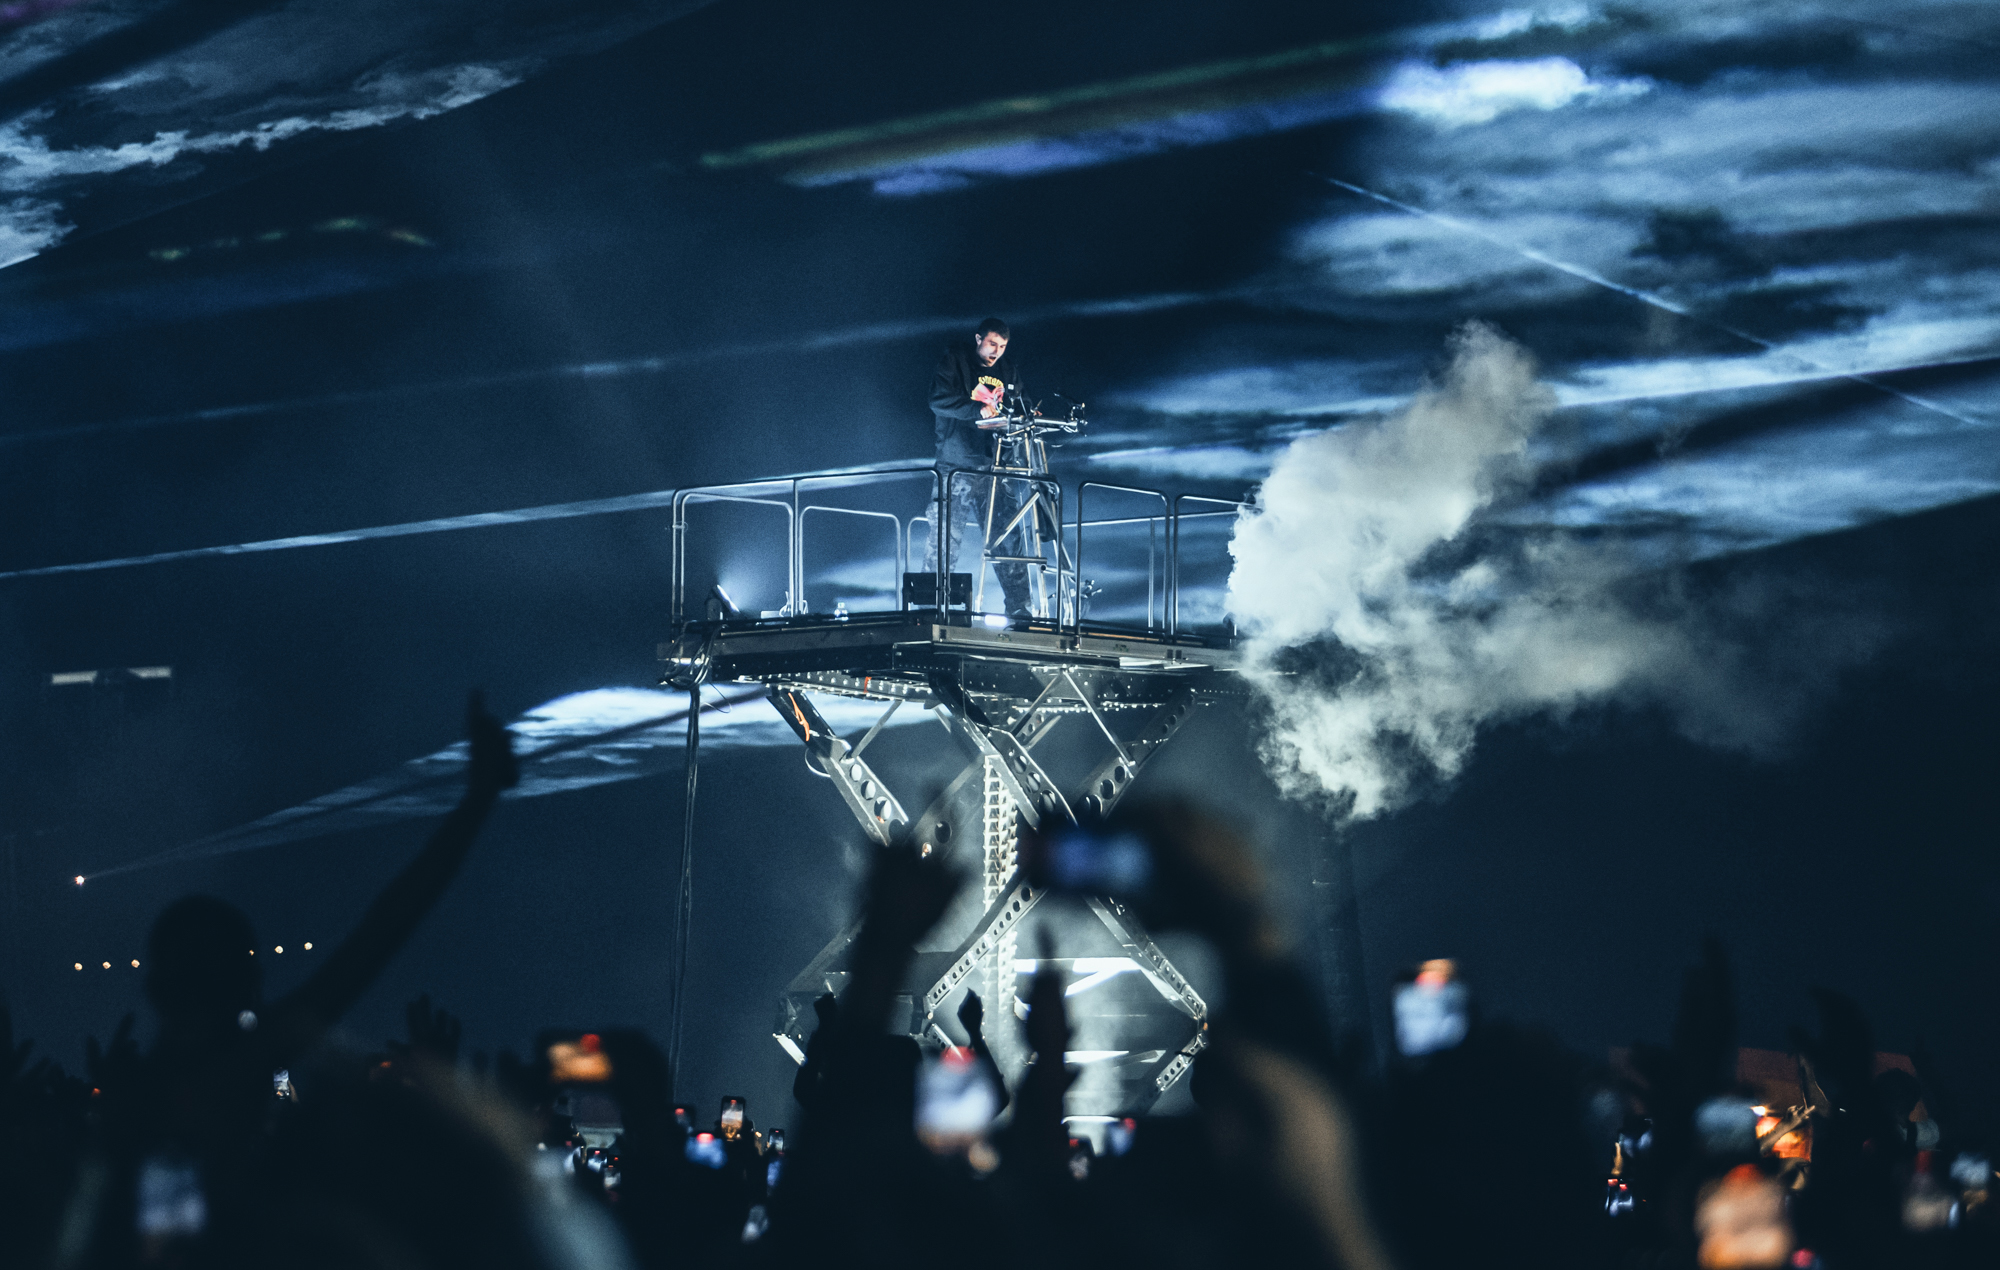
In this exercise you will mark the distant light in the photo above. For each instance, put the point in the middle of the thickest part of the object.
(280, 949)
(247, 1020)
(79, 879)
(150, 672)
(79, 965)
(107, 965)
(308, 945)
(59, 678)
(253, 952)
(135, 963)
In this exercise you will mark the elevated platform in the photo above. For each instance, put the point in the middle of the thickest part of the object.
(893, 656)
(1000, 686)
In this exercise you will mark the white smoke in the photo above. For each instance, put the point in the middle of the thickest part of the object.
(1384, 625)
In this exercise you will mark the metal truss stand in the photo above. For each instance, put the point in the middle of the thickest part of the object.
(1000, 693)
(1021, 451)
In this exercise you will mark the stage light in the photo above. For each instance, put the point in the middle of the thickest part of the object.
(107, 965)
(135, 963)
(308, 946)
(280, 950)
(79, 879)
(79, 965)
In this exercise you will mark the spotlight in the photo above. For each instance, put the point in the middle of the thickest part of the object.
(720, 606)
(135, 963)
(107, 965)
(308, 946)
(79, 879)
(79, 965)
(280, 950)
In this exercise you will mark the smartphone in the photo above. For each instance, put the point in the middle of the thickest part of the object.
(956, 1102)
(580, 1060)
(1432, 1009)
(731, 1119)
(1118, 1135)
(1089, 860)
(707, 1150)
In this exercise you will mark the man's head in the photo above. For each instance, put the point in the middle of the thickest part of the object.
(990, 340)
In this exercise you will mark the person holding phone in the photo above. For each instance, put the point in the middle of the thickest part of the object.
(970, 389)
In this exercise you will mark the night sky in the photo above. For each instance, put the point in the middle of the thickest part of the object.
(344, 267)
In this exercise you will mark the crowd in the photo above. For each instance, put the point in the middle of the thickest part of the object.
(242, 1137)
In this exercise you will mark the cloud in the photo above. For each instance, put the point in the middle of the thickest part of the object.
(1467, 93)
(1384, 628)
(27, 226)
(30, 165)
(597, 737)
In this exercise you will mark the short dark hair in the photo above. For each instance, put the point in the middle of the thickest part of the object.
(992, 326)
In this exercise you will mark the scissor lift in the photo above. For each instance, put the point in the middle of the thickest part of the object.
(999, 692)
(1001, 687)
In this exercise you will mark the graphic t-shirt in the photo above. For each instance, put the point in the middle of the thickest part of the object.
(959, 373)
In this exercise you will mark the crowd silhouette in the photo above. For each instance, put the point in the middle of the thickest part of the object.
(243, 1137)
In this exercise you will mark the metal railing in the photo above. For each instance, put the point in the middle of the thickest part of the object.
(805, 504)
(1235, 508)
(1155, 527)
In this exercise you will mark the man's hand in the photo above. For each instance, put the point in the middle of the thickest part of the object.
(989, 398)
(971, 1014)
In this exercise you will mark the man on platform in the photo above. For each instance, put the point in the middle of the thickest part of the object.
(969, 391)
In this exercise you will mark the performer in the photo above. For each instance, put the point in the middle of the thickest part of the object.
(971, 387)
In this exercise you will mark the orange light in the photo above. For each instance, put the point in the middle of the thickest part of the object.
(135, 963)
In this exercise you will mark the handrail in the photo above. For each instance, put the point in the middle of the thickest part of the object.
(1165, 509)
(709, 494)
(1236, 507)
(1163, 585)
(896, 589)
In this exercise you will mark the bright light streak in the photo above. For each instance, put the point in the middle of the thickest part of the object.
(1648, 297)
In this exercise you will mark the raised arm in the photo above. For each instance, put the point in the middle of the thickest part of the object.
(320, 1001)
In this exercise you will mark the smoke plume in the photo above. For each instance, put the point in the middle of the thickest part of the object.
(1385, 621)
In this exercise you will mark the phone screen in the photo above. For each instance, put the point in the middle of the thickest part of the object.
(581, 1061)
(1432, 1010)
(1092, 860)
(731, 1119)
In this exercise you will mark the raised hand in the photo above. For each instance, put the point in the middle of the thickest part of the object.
(493, 766)
(972, 1015)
